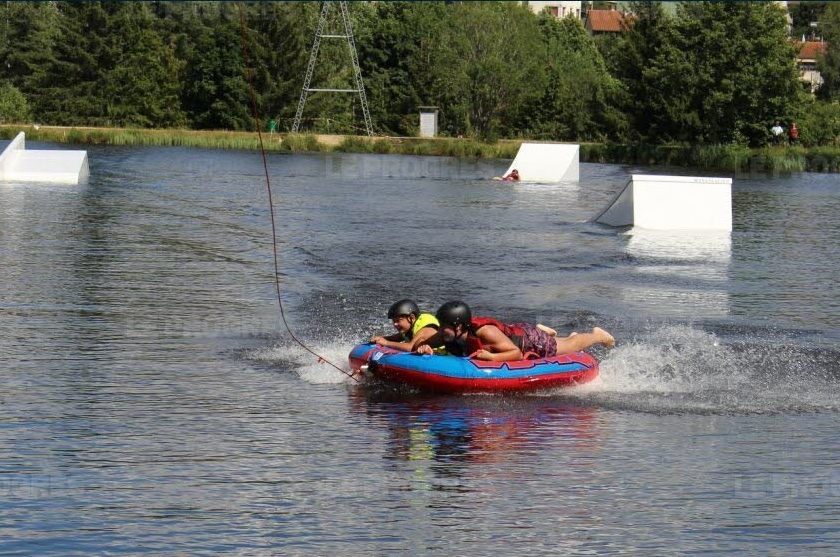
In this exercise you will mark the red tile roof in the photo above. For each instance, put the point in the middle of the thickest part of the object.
(605, 21)
(810, 49)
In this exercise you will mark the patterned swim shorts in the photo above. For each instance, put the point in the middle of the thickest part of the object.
(536, 341)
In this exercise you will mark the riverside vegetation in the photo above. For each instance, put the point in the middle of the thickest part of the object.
(731, 158)
(698, 87)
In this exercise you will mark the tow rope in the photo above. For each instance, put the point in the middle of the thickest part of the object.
(255, 115)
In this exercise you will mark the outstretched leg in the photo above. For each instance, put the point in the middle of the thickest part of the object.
(582, 341)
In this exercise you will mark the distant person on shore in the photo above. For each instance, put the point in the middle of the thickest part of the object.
(793, 134)
(485, 338)
(512, 176)
(413, 327)
(777, 130)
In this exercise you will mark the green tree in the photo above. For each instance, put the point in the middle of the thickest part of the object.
(28, 32)
(484, 66)
(13, 105)
(725, 73)
(386, 46)
(26, 40)
(396, 41)
(70, 85)
(578, 99)
(279, 41)
(142, 86)
(829, 64)
(640, 97)
(819, 123)
(803, 14)
(215, 93)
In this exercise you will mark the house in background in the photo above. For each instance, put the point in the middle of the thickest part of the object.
(806, 61)
(600, 22)
(557, 9)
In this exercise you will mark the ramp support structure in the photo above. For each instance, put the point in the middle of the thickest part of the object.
(672, 203)
(58, 166)
(547, 162)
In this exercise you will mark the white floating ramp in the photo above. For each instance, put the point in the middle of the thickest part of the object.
(547, 162)
(57, 167)
(672, 203)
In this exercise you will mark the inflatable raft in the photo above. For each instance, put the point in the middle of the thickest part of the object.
(453, 374)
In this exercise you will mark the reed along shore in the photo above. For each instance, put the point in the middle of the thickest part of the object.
(724, 158)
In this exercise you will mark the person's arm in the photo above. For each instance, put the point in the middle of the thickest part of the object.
(497, 346)
(408, 346)
(422, 336)
(392, 341)
(427, 346)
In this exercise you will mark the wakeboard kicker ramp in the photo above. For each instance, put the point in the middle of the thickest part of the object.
(547, 162)
(672, 203)
(58, 167)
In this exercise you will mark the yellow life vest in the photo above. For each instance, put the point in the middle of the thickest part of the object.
(424, 320)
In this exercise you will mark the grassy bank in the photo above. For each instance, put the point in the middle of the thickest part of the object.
(724, 158)
(295, 143)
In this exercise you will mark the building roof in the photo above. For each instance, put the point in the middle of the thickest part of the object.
(605, 21)
(809, 50)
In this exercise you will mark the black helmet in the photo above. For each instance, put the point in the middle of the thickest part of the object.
(403, 307)
(454, 313)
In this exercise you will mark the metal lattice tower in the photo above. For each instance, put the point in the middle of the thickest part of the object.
(313, 57)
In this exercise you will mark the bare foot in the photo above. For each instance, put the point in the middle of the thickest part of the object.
(547, 330)
(604, 337)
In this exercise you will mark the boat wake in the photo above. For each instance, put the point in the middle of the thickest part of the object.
(679, 368)
(291, 356)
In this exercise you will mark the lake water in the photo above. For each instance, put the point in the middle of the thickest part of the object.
(153, 403)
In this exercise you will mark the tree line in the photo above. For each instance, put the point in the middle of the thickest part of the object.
(713, 73)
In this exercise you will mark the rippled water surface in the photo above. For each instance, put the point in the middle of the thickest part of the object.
(152, 402)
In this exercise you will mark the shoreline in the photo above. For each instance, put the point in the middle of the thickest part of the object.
(727, 158)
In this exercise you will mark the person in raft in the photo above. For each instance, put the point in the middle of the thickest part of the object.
(412, 326)
(485, 338)
(513, 176)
